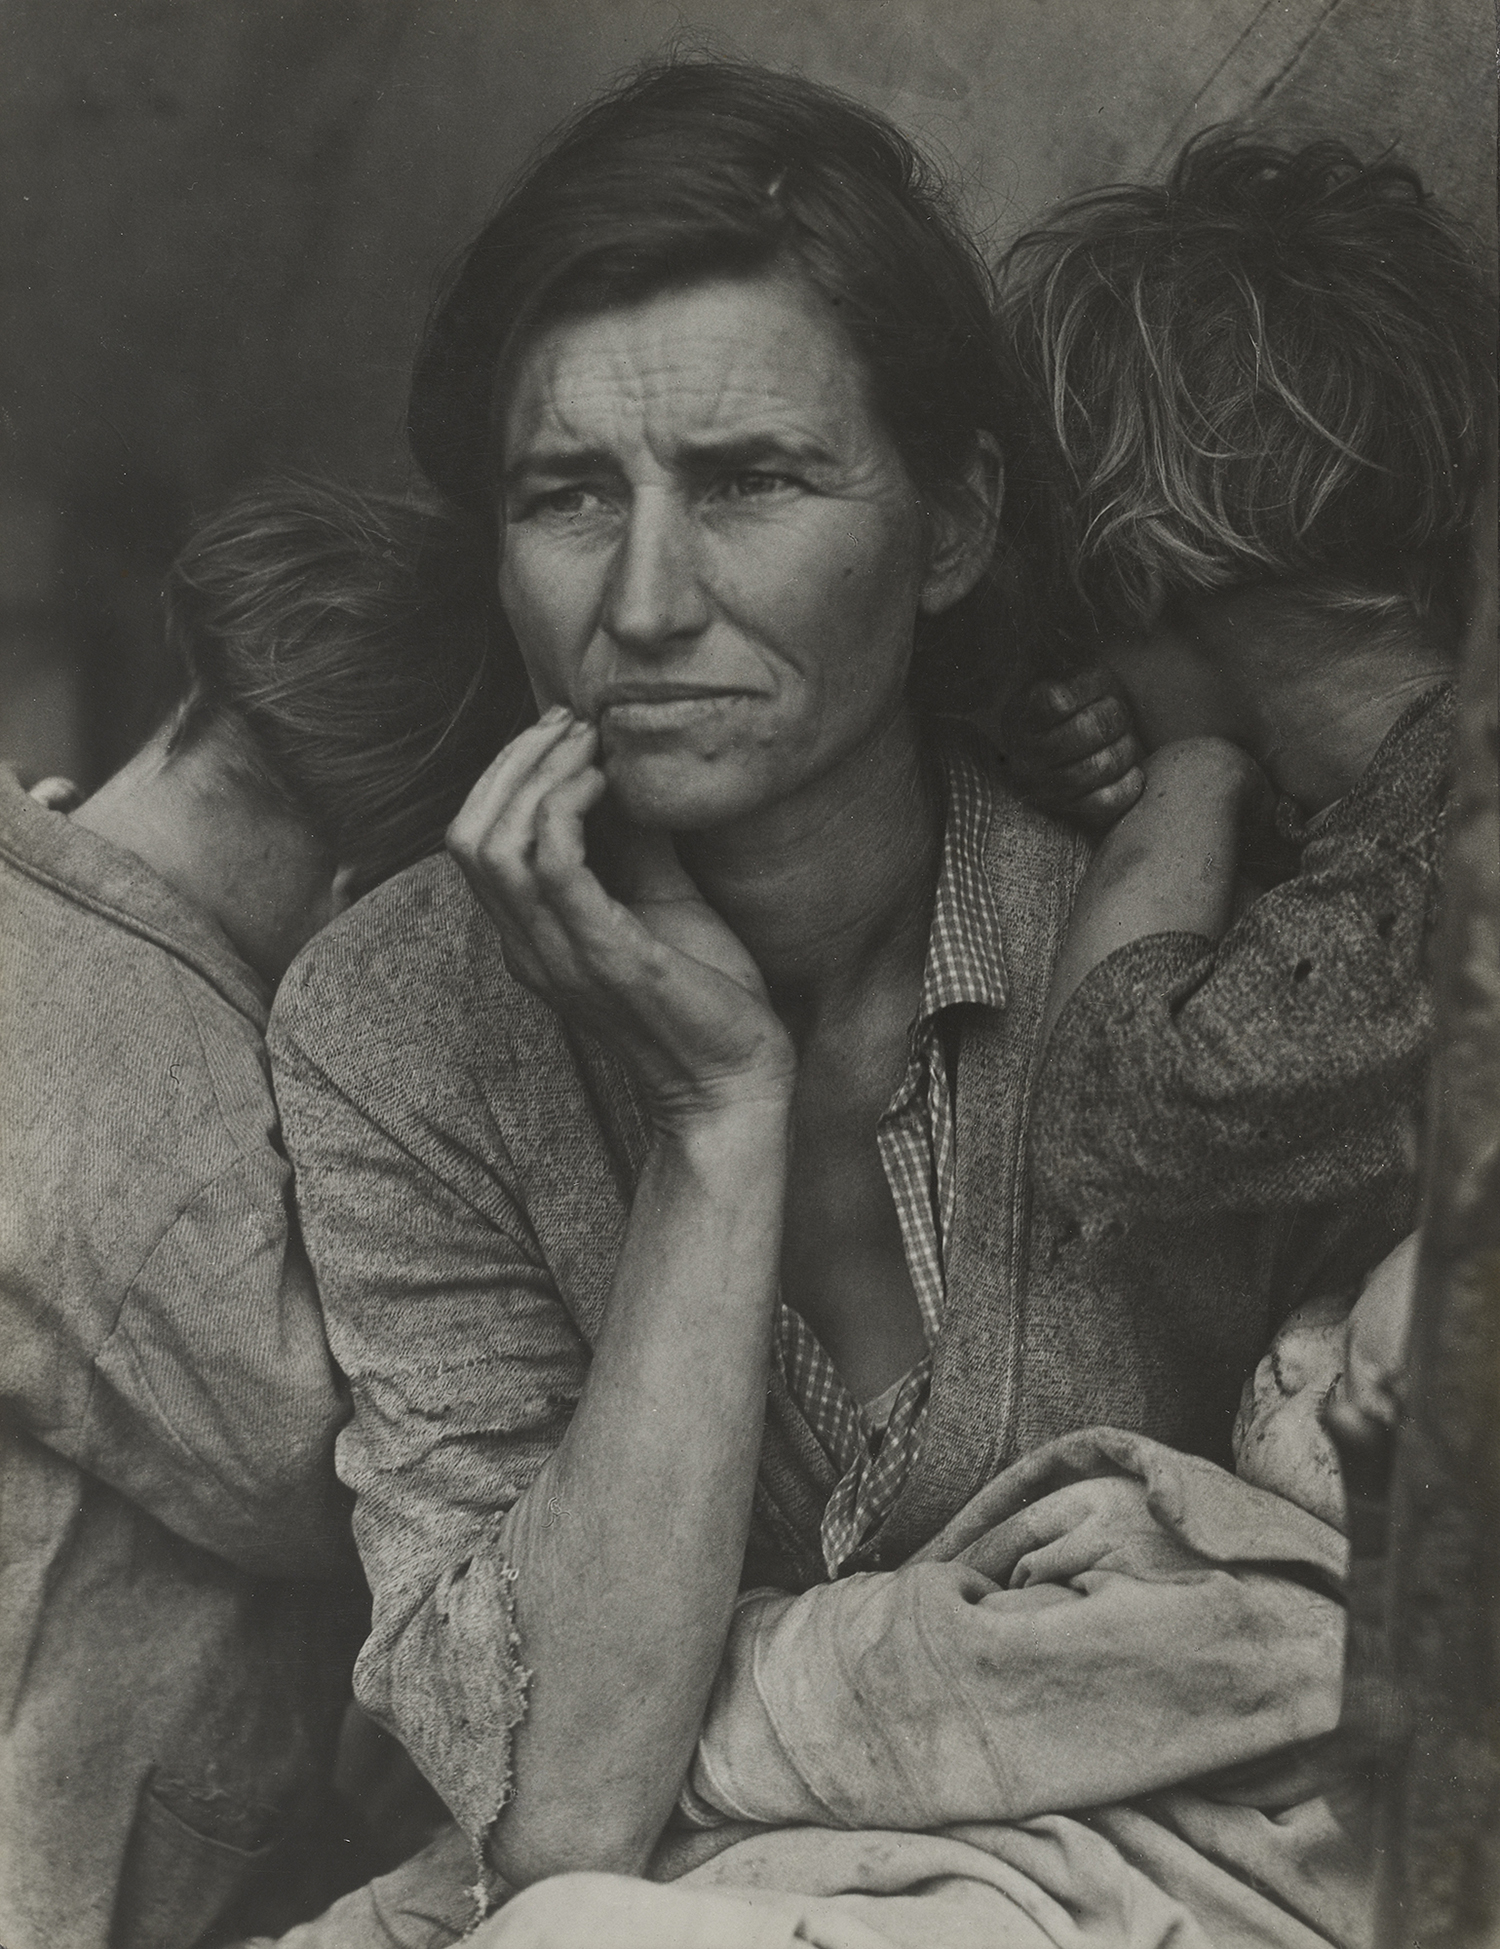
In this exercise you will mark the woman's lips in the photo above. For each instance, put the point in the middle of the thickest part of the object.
(648, 714)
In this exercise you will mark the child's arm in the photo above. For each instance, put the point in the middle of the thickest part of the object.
(1169, 865)
(1280, 1066)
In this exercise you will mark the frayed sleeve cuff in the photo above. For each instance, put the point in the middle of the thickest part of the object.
(461, 1690)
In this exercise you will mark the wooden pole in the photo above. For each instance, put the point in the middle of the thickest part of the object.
(1438, 1817)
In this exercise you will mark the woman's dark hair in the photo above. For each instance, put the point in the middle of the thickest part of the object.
(699, 169)
(338, 645)
(1272, 367)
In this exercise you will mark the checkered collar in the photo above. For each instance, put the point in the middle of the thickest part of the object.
(965, 958)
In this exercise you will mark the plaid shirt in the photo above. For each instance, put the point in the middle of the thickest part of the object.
(915, 1135)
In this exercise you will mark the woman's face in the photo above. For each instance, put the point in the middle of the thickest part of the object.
(710, 546)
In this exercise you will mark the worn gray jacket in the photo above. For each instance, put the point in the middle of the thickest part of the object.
(465, 1166)
(178, 1600)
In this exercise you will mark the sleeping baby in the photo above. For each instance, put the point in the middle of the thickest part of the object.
(937, 1690)
(1027, 1737)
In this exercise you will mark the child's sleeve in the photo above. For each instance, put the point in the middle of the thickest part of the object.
(1282, 1066)
(213, 1402)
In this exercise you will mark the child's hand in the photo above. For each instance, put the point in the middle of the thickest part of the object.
(57, 794)
(1074, 751)
(1104, 1523)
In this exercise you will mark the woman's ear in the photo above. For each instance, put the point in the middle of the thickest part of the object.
(341, 895)
(963, 528)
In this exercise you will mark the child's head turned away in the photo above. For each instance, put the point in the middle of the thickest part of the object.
(1270, 370)
(338, 652)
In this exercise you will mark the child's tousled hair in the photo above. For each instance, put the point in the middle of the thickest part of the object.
(1271, 368)
(337, 644)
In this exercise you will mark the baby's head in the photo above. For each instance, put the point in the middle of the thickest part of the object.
(1326, 1357)
(1269, 371)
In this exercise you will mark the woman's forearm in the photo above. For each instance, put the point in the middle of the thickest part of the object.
(1168, 867)
(628, 1546)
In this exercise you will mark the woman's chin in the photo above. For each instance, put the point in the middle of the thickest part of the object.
(678, 792)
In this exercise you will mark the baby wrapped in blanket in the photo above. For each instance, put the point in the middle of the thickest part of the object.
(1095, 1711)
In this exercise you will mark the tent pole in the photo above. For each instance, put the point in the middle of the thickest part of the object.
(1438, 1595)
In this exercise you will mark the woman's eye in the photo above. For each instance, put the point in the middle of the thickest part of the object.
(755, 484)
(563, 502)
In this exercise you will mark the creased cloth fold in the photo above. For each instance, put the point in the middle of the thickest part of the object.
(1105, 1685)
(1197, 1627)
(855, 1719)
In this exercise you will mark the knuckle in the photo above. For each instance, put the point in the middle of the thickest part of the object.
(461, 838)
(1057, 746)
(551, 867)
(499, 873)
(1038, 708)
(1112, 761)
(1077, 779)
(1131, 785)
(555, 830)
(1119, 795)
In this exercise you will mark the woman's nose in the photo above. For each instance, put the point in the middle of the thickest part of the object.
(655, 596)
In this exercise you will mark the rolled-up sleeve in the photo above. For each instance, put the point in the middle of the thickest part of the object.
(1281, 1067)
(464, 1368)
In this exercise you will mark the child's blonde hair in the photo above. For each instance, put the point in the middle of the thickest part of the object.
(1271, 368)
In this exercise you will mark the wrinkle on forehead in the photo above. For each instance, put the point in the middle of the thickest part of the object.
(732, 357)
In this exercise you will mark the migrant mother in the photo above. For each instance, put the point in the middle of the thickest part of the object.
(661, 1154)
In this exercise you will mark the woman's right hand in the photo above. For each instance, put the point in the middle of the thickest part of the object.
(656, 976)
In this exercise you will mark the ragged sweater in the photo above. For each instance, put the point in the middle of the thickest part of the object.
(465, 1168)
(1280, 1072)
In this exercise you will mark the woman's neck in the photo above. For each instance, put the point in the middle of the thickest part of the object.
(255, 871)
(831, 891)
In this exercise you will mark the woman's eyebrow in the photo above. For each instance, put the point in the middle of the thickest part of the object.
(559, 463)
(710, 453)
(751, 449)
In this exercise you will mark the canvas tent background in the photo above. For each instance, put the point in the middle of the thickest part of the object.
(226, 218)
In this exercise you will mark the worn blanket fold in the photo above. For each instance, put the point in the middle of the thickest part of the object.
(1086, 1717)
(1107, 1618)
(1110, 1628)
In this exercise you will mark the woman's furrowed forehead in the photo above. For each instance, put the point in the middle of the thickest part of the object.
(739, 362)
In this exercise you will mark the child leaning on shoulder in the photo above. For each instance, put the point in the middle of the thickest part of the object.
(183, 1599)
(1257, 404)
